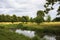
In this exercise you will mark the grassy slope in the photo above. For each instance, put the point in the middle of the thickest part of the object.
(6, 35)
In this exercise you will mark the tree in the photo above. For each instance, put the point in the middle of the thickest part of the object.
(40, 17)
(7, 18)
(48, 18)
(13, 18)
(57, 19)
(19, 19)
(32, 20)
(40, 13)
(25, 19)
(52, 3)
(2, 18)
(39, 20)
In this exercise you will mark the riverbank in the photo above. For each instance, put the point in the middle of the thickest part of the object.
(46, 28)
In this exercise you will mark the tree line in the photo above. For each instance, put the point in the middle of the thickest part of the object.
(7, 18)
(13, 18)
(38, 19)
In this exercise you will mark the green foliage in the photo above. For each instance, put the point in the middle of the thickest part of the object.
(25, 19)
(58, 11)
(31, 20)
(40, 17)
(13, 18)
(40, 13)
(19, 19)
(48, 18)
(52, 3)
(2, 18)
(57, 19)
(39, 20)
(7, 18)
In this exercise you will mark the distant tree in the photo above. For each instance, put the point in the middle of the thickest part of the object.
(32, 20)
(40, 17)
(13, 18)
(25, 19)
(40, 13)
(39, 20)
(48, 18)
(7, 18)
(19, 19)
(57, 19)
(2, 18)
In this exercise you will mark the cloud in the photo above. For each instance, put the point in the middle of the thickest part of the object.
(22, 7)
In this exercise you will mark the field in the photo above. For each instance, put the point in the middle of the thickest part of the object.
(40, 29)
(29, 24)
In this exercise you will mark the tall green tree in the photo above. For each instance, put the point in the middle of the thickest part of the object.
(40, 17)
(39, 20)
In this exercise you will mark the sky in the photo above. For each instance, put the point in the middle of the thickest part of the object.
(25, 7)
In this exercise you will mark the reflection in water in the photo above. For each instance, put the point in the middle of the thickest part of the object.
(26, 33)
(32, 34)
(47, 37)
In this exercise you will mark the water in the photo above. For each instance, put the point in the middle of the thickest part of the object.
(47, 37)
(26, 32)
(32, 34)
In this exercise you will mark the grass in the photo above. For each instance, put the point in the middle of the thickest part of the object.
(7, 35)
(45, 27)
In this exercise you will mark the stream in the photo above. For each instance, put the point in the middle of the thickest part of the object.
(32, 34)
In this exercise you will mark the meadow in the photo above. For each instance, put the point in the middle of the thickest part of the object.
(50, 28)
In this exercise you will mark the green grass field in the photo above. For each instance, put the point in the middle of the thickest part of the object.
(40, 29)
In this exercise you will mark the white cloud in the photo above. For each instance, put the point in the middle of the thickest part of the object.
(22, 7)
